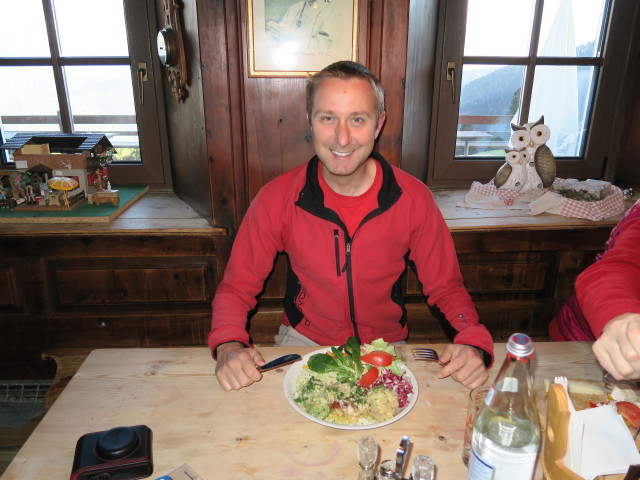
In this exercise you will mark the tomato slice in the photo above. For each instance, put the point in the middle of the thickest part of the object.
(630, 412)
(377, 358)
(369, 377)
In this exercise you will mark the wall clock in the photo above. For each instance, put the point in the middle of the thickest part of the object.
(170, 46)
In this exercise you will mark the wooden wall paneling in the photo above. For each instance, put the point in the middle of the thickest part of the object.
(100, 291)
(572, 263)
(135, 330)
(12, 287)
(186, 121)
(363, 48)
(478, 241)
(371, 35)
(278, 137)
(392, 74)
(387, 31)
(152, 283)
(522, 273)
(20, 321)
(504, 317)
(218, 32)
(501, 317)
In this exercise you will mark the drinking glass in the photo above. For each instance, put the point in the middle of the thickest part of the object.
(476, 400)
(367, 456)
(423, 468)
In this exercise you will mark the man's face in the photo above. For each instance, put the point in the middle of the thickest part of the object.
(344, 124)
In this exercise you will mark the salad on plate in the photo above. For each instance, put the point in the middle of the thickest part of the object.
(354, 384)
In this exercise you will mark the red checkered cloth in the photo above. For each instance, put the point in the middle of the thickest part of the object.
(507, 195)
(611, 205)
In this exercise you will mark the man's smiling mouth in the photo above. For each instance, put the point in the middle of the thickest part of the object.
(341, 154)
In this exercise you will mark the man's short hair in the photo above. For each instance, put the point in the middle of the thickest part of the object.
(345, 69)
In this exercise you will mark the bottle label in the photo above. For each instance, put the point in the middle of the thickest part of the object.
(479, 470)
(508, 384)
(493, 462)
(489, 396)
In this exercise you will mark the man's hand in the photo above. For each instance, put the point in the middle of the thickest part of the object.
(618, 348)
(465, 364)
(236, 366)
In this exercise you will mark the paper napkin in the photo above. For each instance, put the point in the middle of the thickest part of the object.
(599, 443)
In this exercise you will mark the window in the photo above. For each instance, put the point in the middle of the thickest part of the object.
(515, 61)
(74, 66)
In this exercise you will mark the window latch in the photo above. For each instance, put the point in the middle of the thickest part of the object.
(142, 77)
(451, 77)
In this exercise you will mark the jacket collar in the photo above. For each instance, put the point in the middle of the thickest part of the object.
(311, 197)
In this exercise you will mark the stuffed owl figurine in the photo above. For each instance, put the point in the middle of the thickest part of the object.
(513, 174)
(533, 138)
(533, 180)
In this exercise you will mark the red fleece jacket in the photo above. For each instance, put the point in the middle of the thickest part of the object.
(337, 285)
(611, 286)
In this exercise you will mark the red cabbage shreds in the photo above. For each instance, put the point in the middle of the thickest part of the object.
(400, 385)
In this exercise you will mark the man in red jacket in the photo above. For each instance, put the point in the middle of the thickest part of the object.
(348, 223)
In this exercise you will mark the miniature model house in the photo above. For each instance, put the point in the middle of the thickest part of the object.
(57, 171)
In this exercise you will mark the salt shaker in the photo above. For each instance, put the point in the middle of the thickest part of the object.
(423, 468)
(388, 471)
(367, 456)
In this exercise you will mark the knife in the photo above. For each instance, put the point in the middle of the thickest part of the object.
(280, 362)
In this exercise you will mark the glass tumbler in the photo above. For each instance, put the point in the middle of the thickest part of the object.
(423, 468)
(367, 457)
(476, 400)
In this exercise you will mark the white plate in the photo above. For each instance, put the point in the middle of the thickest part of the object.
(294, 372)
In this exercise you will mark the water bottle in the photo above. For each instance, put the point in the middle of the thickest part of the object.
(506, 431)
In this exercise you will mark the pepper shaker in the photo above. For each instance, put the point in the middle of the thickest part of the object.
(388, 471)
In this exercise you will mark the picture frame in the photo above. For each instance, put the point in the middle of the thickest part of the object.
(295, 38)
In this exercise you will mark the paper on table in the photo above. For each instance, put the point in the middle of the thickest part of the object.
(599, 443)
(183, 472)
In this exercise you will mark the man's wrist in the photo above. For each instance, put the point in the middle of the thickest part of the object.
(225, 345)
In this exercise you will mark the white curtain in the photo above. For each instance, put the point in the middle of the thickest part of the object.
(555, 89)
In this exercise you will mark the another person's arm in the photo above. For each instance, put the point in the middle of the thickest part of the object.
(618, 348)
(609, 295)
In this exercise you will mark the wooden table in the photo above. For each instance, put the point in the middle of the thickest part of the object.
(254, 432)
(466, 136)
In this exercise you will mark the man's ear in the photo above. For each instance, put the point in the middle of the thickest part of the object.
(380, 123)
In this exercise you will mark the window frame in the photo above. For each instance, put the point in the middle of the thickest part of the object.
(140, 17)
(607, 110)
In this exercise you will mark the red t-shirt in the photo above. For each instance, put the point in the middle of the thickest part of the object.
(351, 209)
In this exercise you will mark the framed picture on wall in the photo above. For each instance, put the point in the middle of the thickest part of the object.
(292, 38)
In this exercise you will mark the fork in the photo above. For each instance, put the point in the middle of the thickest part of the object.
(427, 354)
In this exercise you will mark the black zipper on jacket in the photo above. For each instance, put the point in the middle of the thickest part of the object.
(311, 199)
(348, 270)
(336, 244)
(347, 266)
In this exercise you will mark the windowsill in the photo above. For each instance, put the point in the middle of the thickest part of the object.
(460, 219)
(164, 213)
(155, 212)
